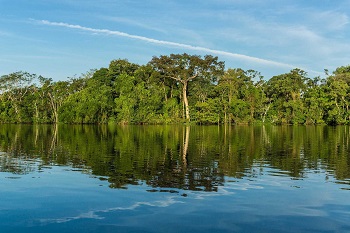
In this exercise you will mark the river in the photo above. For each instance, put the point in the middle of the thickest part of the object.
(64, 178)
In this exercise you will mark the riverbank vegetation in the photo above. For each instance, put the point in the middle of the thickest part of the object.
(177, 88)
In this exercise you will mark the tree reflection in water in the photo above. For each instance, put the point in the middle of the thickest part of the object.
(181, 157)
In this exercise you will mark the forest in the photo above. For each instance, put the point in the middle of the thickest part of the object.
(177, 88)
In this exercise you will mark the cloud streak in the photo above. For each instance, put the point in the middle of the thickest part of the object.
(169, 43)
(132, 23)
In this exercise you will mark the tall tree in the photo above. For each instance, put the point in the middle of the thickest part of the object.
(184, 68)
(118, 67)
(316, 101)
(15, 87)
(228, 89)
(286, 91)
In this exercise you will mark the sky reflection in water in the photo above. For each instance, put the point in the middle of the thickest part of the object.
(216, 187)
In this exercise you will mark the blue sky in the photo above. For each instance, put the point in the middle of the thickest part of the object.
(64, 38)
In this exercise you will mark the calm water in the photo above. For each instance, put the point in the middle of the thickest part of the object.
(174, 179)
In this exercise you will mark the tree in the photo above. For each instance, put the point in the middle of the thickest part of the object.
(57, 93)
(228, 88)
(184, 68)
(286, 91)
(15, 87)
(241, 97)
(90, 99)
(338, 91)
(316, 101)
(121, 66)
(254, 95)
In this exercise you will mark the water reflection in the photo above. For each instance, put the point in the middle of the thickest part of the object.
(180, 157)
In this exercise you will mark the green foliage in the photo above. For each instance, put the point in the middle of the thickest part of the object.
(174, 89)
(184, 69)
(208, 112)
(286, 92)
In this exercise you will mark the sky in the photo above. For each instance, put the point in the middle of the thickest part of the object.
(66, 38)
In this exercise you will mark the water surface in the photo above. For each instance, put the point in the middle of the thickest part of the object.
(174, 179)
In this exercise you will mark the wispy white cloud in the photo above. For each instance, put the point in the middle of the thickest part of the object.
(312, 38)
(331, 20)
(170, 43)
(132, 23)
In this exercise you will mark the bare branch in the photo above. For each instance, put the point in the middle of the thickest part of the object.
(193, 77)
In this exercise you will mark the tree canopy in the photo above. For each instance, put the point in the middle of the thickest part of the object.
(177, 88)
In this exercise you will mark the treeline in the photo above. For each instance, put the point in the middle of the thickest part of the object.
(177, 88)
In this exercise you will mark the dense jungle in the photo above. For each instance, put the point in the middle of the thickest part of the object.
(177, 88)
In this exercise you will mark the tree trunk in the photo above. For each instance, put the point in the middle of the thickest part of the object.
(185, 100)
(36, 112)
(265, 112)
(54, 107)
(15, 106)
(165, 94)
(225, 118)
